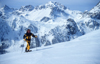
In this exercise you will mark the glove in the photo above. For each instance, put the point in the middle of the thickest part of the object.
(24, 39)
(35, 36)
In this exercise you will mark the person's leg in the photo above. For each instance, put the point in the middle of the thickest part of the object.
(28, 46)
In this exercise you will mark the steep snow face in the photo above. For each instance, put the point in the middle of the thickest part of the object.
(37, 15)
(96, 9)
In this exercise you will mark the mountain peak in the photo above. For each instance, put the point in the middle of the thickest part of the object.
(55, 4)
(98, 3)
(26, 8)
(6, 7)
(51, 4)
(96, 9)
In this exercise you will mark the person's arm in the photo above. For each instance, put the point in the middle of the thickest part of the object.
(24, 36)
(34, 36)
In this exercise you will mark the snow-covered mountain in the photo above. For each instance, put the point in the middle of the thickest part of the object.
(96, 9)
(94, 12)
(52, 22)
(51, 4)
(26, 8)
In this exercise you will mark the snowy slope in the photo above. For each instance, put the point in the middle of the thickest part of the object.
(82, 50)
(39, 14)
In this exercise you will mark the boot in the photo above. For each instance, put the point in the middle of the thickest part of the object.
(29, 50)
(26, 50)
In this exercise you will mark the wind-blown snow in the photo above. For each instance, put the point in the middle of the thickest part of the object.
(82, 50)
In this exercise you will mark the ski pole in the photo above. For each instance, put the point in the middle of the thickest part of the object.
(35, 45)
(22, 46)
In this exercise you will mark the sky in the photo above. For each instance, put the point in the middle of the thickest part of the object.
(80, 5)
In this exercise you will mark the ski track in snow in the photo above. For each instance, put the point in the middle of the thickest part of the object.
(82, 50)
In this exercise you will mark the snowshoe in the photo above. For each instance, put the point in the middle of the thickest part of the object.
(29, 50)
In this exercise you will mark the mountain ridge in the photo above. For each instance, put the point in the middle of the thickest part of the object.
(52, 22)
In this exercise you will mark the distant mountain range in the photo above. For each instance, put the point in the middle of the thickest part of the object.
(52, 22)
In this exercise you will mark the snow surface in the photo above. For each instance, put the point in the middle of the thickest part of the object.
(82, 50)
(37, 15)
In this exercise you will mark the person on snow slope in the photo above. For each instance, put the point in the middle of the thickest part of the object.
(27, 38)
